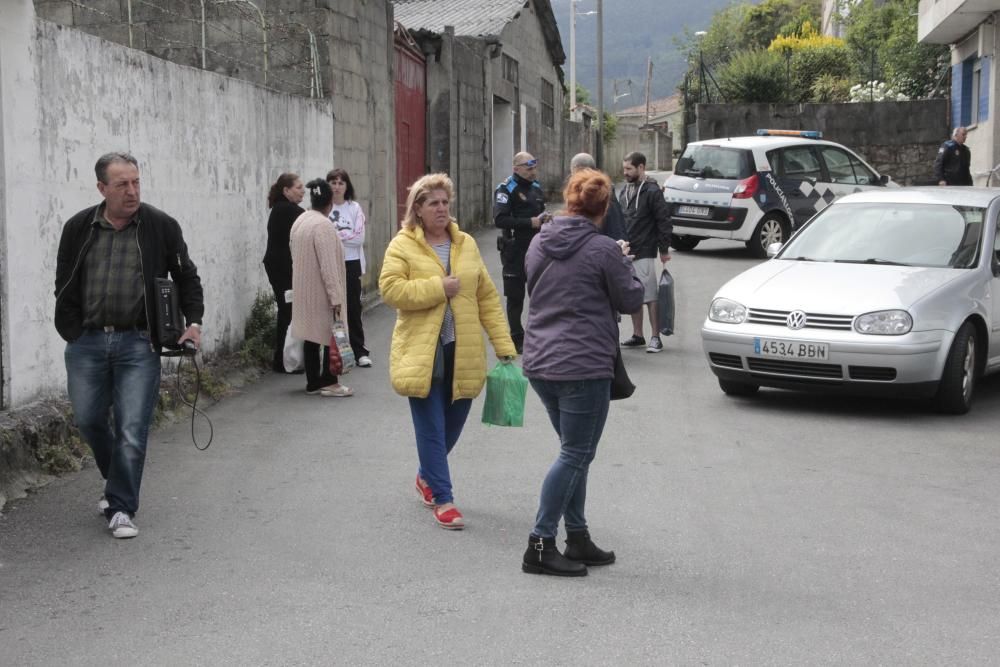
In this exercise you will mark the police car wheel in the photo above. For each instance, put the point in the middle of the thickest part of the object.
(684, 243)
(771, 229)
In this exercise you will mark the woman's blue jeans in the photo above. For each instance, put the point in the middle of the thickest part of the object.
(438, 423)
(113, 381)
(578, 410)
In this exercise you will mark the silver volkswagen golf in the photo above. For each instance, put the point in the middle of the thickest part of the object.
(893, 292)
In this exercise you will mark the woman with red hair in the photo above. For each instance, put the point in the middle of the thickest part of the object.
(578, 279)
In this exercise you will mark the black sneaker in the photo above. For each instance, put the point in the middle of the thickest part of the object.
(634, 341)
(654, 345)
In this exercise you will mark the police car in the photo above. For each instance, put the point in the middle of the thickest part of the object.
(760, 189)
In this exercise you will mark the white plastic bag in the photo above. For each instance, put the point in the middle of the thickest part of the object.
(293, 354)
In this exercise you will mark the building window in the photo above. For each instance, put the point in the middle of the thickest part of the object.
(970, 91)
(548, 104)
(509, 69)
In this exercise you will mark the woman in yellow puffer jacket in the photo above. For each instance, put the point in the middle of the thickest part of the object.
(435, 278)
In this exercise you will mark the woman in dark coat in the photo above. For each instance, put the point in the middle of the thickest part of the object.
(283, 200)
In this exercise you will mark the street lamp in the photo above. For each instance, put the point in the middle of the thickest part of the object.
(573, 113)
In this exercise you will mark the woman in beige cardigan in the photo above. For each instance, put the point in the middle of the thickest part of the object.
(318, 289)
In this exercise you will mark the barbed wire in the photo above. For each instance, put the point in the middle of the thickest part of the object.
(285, 45)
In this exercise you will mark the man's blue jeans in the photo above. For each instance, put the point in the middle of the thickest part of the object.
(438, 423)
(113, 381)
(577, 410)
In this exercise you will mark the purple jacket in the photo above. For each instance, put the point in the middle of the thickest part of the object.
(577, 281)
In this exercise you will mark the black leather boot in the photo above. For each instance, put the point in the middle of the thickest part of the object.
(542, 557)
(581, 548)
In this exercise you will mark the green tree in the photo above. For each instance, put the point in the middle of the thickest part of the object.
(808, 56)
(753, 76)
(772, 18)
(883, 42)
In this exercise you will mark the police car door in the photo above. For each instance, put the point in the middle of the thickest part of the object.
(798, 172)
(846, 173)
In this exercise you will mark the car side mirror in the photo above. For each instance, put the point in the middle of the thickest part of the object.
(995, 264)
(883, 179)
(773, 249)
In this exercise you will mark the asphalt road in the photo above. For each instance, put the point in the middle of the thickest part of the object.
(784, 529)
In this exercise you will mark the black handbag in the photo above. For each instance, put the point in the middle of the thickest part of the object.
(621, 385)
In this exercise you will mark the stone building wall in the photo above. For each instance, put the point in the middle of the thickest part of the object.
(353, 40)
(208, 146)
(524, 41)
(900, 139)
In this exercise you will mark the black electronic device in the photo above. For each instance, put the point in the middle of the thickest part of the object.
(170, 320)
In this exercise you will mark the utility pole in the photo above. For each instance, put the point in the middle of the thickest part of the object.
(649, 78)
(572, 59)
(600, 85)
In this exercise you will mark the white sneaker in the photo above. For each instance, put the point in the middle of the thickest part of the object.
(121, 526)
(102, 505)
(364, 361)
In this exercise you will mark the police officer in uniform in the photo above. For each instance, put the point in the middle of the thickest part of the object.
(951, 166)
(519, 212)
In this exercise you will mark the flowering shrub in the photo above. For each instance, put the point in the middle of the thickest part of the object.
(875, 91)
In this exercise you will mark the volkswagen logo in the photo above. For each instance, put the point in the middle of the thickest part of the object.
(796, 320)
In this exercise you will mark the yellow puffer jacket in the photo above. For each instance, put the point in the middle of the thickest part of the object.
(411, 282)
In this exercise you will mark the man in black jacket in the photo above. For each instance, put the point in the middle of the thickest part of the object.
(518, 211)
(647, 223)
(951, 166)
(106, 307)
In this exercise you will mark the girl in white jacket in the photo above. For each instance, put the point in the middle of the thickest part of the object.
(349, 220)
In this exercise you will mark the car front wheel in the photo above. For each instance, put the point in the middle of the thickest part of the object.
(736, 388)
(958, 381)
(771, 229)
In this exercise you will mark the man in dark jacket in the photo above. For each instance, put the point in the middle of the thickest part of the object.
(614, 220)
(518, 211)
(647, 223)
(106, 307)
(951, 166)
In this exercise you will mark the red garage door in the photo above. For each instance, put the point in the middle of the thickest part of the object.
(411, 110)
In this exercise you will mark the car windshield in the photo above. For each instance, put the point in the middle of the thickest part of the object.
(703, 161)
(929, 235)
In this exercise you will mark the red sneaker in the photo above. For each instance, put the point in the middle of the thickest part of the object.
(449, 519)
(426, 495)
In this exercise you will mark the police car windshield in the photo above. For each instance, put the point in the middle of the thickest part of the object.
(706, 161)
(894, 234)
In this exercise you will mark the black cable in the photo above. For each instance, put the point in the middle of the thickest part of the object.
(194, 403)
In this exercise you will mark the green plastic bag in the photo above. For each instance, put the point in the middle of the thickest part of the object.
(506, 388)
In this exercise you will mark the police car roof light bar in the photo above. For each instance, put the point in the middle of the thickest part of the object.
(805, 134)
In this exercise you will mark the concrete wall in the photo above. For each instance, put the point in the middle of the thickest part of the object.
(524, 41)
(463, 76)
(656, 145)
(360, 52)
(233, 39)
(900, 139)
(208, 146)
(354, 40)
(459, 106)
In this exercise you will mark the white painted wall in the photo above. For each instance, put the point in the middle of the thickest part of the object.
(208, 147)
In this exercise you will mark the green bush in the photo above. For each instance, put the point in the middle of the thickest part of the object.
(753, 76)
(830, 88)
(258, 334)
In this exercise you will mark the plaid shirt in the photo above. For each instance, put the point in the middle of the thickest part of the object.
(111, 276)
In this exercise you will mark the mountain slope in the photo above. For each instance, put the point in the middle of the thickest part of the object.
(633, 30)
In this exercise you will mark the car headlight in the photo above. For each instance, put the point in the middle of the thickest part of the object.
(727, 311)
(884, 323)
